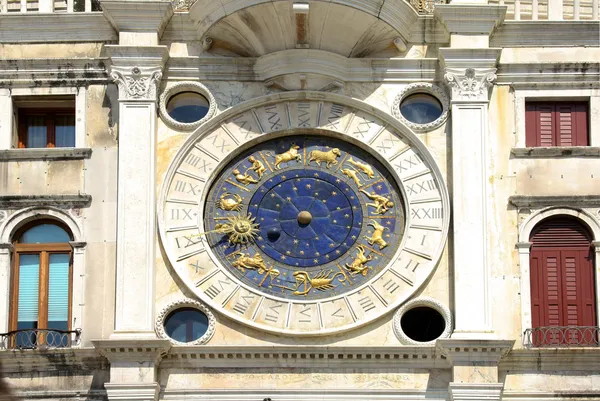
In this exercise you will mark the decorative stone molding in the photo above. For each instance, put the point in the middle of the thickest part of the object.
(423, 301)
(64, 72)
(473, 19)
(60, 201)
(136, 83)
(3, 215)
(557, 151)
(182, 5)
(118, 351)
(475, 391)
(470, 84)
(186, 87)
(45, 154)
(522, 201)
(307, 356)
(23, 216)
(422, 87)
(132, 392)
(185, 303)
(467, 350)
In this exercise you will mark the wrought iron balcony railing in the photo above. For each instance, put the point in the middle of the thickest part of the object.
(562, 336)
(39, 339)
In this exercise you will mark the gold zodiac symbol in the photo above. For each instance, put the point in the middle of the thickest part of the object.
(239, 229)
(328, 157)
(258, 167)
(358, 265)
(381, 203)
(284, 157)
(246, 261)
(377, 236)
(352, 174)
(228, 204)
(244, 178)
(365, 168)
(321, 282)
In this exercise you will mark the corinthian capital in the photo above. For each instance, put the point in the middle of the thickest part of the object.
(470, 83)
(137, 83)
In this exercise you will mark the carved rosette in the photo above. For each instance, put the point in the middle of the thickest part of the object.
(470, 84)
(137, 83)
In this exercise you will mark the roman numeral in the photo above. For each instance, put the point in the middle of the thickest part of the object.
(363, 128)
(242, 126)
(412, 265)
(194, 161)
(307, 318)
(219, 144)
(366, 303)
(196, 265)
(273, 314)
(181, 214)
(334, 116)
(243, 303)
(273, 117)
(419, 187)
(186, 187)
(304, 114)
(391, 286)
(186, 242)
(338, 314)
(427, 213)
(216, 289)
(409, 163)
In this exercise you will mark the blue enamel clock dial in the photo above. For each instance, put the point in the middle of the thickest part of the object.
(304, 217)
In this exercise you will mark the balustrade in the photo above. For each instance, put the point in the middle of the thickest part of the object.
(39, 339)
(562, 336)
(48, 6)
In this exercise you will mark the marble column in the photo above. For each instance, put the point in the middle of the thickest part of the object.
(6, 111)
(469, 187)
(5, 253)
(137, 72)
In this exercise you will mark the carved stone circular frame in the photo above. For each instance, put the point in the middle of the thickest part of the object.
(415, 303)
(185, 303)
(430, 89)
(179, 87)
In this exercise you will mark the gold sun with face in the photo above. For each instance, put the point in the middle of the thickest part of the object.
(240, 229)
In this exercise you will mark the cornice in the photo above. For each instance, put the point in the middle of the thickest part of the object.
(556, 152)
(536, 74)
(547, 34)
(552, 359)
(59, 201)
(469, 58)
(461, 350)
(567, 200)
(57, 27)
(63, 359)
(116, 351)
(33, 154)
(470, 18)
(302, 61)
(426, 357)
(54, 72)
(138, 15)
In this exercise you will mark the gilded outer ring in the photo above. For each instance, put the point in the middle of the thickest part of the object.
(395, 128)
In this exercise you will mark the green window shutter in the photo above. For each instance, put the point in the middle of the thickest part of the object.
(29, 285)
(58, 292)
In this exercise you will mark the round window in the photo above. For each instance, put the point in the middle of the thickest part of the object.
(186, 325)
(187, 107)
(421, 108)
(423, 324)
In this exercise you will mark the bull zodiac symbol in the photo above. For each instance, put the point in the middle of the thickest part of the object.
(291, 154)
(358, 265)
(377, 236)
(329, 157)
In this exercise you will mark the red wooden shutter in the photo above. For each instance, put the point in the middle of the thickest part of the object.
(562, 277)
(556, 124)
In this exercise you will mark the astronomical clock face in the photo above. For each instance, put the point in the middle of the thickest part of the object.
(303, 233)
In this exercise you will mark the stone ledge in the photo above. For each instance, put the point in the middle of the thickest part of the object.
(557, 151)
(552, 359)
(540, 201)
(45, 154)
(60, 201)
(23, 361)
(535, 34)
(304, 357)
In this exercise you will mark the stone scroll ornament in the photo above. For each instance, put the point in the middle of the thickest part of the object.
(470, 83)
(136, 84)
(299, 232)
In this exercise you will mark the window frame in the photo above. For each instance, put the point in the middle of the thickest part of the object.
(51, 113)
(44, 250)
(521, 96)
(580, 132)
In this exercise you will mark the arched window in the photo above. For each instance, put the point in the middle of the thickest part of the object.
(562, 283)
(41, 284)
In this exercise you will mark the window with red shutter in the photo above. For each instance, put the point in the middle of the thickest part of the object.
(562, 280)
(556, 124)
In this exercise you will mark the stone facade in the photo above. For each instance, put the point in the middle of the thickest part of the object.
(271, 69)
